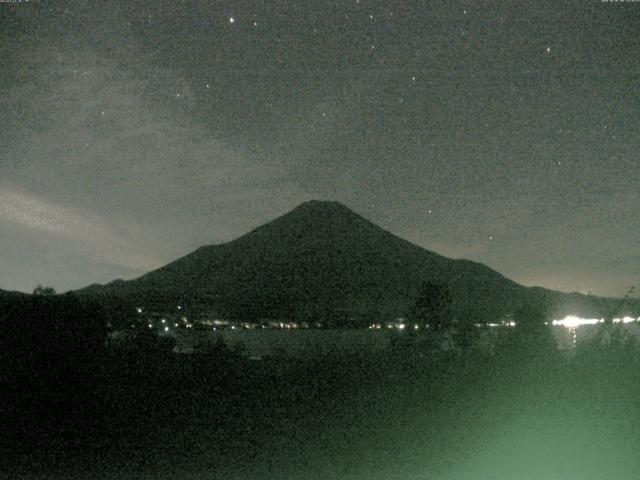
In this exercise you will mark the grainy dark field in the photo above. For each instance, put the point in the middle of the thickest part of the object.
(396, 414)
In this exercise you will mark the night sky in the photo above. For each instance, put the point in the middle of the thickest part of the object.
(504, 132)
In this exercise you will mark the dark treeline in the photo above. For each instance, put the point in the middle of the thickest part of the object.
(74, 406)
(50, 353)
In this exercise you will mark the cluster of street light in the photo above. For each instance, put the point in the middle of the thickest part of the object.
(572, 321)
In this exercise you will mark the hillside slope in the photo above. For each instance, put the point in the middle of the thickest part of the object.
(322, 260)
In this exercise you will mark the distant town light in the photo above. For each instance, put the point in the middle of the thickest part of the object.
(571, 321)
(624, 320)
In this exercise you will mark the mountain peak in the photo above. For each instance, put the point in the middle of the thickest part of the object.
(322, 260)
(315, 216)
(322, 206)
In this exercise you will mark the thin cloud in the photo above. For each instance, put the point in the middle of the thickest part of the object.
(83, 232)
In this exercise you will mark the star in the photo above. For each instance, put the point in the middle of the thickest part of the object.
(232, 20)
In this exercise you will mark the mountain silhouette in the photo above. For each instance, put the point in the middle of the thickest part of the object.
(324, 261)
(8, 295)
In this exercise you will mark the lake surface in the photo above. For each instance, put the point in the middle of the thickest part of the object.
(316, 342)
(294, 343)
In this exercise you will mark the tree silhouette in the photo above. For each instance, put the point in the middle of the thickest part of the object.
(531, 336)
(51, 353)
(40, 290)
(433, 307)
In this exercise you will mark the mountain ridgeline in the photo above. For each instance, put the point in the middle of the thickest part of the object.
(9, 295)
(322, 261)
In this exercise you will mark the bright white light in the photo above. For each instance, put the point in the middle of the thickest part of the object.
(166, 329)
(571, 321)
(624, 320)
(497, 325)
(139, 310)
(232, 20)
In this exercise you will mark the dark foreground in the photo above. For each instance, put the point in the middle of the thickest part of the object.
(525, 412)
